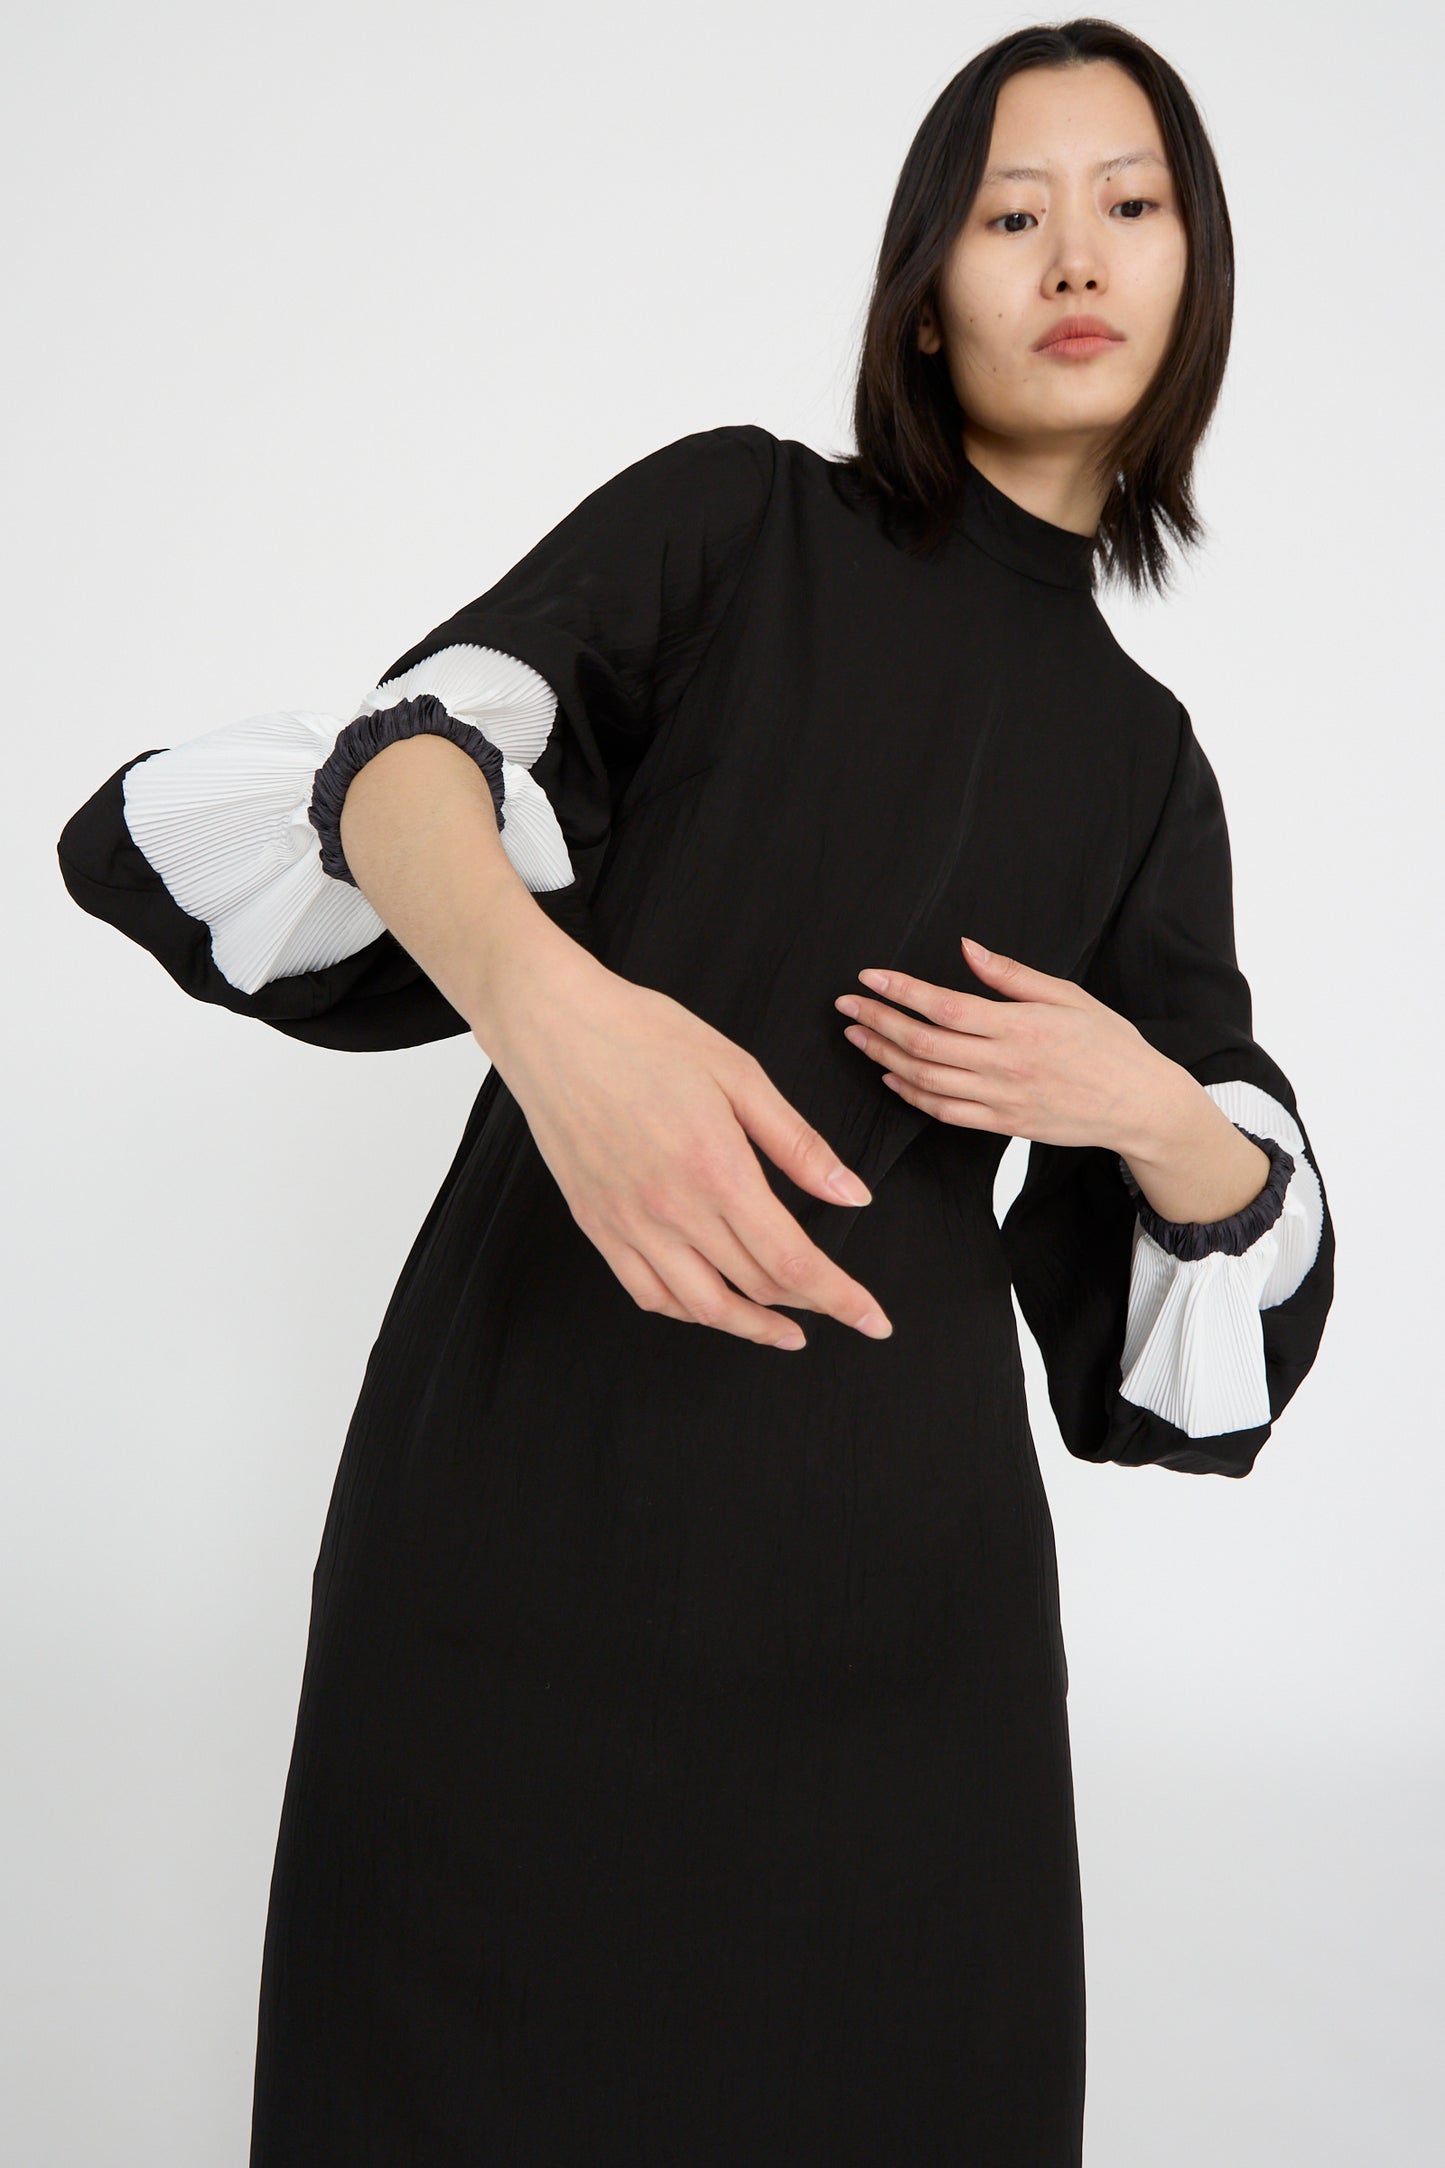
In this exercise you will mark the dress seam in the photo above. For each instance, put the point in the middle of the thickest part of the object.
(737, 586)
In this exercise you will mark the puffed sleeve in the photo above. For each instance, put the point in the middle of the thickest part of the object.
(222, 855)
(1177, 1343)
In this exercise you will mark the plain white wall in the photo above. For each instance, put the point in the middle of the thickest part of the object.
(319, 316)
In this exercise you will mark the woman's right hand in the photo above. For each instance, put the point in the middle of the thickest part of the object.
(643, 1113)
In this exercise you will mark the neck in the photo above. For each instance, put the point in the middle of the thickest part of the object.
(1054, 479)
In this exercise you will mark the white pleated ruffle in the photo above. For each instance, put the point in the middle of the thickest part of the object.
(1194, 1342)
(223, 818)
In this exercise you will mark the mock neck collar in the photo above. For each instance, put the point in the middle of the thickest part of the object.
(1021, 539)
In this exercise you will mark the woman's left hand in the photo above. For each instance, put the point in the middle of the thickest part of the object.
(1050, 1063)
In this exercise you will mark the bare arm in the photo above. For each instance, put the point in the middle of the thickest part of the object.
(643, 1112)
(421, 839)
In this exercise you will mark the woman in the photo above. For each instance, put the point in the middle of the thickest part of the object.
(682, 1768)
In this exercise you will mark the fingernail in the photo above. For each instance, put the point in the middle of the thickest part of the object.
(845, 1184)
(792, 1339)
(876, 1325)
(878, 980)
(976, 950)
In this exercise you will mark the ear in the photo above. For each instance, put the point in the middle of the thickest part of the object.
(929, 340)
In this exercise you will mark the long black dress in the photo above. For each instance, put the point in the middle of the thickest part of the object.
(682, 1772)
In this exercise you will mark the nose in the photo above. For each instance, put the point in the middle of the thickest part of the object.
(1076, 264)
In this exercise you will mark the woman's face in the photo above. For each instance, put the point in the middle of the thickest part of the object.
(1076, 216)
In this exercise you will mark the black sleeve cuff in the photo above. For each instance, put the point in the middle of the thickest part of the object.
(1193, 1239)
(365, 737)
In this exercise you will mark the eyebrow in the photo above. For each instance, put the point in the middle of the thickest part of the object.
(1042, 173)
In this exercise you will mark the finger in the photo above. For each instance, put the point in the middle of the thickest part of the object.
(937, 1075)
(752, 1236)
(708, 1299)
(789, 1141)
(882, 1032)
(769, 1233)
(960, 1113)
(722, 1247)
(946, 1005)
(1019, 981)
(642, 1283)
(696, 1296)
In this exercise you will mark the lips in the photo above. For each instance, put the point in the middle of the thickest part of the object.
(1081, 328)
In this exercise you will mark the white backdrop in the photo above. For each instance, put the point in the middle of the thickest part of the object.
(320, 315)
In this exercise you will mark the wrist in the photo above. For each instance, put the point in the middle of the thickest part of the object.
(1190, 1161)
(526, 975)
(1166, 1116)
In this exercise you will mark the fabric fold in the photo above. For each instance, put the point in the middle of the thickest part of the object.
(242, 823)
(1194, 1349)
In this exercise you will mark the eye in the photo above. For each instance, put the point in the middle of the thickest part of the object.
(1005, 215)
(1135, 204)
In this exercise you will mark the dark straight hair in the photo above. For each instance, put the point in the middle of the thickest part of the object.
(907, 419)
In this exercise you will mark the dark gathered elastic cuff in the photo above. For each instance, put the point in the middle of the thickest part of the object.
(361, 739)
(1193, 1239)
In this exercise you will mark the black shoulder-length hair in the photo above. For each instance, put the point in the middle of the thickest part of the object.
(907, 420)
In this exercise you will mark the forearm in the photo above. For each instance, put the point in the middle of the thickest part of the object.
(419, 829)
(1188, 1158)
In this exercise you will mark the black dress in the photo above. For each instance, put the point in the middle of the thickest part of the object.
(681, 1775)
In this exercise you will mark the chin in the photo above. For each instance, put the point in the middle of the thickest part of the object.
(1100, 414)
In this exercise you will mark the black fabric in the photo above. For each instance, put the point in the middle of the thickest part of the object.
(375, 999)
(364, 738)
(682, 1766)
(1166, 959)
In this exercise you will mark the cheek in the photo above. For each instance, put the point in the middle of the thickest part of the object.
(984, 309)
(1157, 280)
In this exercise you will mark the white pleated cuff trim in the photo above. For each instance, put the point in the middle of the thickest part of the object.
(516, 708)
(223, 818)
(1194, 1341)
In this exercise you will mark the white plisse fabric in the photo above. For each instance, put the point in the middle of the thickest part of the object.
(1194, 1341)
(222, 818)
